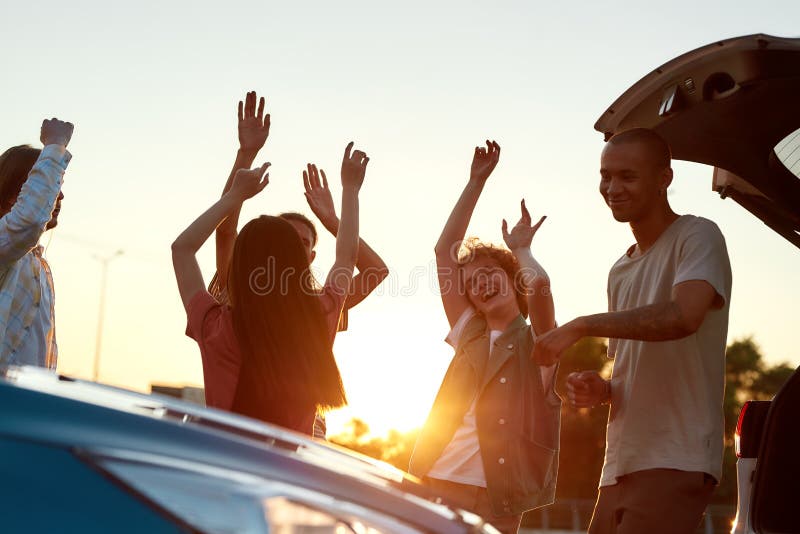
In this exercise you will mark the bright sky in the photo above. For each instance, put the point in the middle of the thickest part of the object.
(152, 89)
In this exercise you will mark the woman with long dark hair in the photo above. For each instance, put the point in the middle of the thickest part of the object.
(267, 353)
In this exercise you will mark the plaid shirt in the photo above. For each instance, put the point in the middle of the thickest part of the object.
(25, 280)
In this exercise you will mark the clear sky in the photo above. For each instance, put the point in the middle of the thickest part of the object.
(152, 89)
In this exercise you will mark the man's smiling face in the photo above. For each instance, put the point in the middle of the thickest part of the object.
(631, 182)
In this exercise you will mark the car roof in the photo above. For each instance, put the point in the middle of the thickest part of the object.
(734, 105)
(162, 407)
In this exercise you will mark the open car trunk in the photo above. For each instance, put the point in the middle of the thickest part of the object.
(734, 105)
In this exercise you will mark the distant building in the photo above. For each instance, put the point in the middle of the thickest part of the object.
(188, 393)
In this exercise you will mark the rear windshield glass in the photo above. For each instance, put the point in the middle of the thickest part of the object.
(788, 151)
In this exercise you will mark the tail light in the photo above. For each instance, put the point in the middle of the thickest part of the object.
(749, 428)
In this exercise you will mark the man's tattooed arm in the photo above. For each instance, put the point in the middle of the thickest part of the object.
(655, 322)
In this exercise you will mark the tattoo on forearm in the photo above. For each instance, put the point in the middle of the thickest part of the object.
(656, 322)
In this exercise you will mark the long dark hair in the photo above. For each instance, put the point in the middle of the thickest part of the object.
(287, 361)
(15, 165)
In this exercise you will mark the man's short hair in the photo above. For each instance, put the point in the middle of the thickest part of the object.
(299, 217)
(15, 165)
(655, 144)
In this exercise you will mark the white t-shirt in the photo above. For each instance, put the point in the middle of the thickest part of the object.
(461, 460)
(666, 406)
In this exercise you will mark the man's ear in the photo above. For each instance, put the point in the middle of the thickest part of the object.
(666, 178)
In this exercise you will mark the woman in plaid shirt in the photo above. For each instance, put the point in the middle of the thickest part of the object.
(30, 201)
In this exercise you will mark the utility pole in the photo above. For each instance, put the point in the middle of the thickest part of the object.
(104, 260)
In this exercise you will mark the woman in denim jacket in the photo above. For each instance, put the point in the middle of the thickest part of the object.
(490, 443)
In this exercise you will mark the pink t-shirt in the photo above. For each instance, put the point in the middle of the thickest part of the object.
(210, 323)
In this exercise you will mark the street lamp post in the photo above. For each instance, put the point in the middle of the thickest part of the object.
(104, 260)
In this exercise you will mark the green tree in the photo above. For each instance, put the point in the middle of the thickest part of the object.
(583, 431)
(394, 448)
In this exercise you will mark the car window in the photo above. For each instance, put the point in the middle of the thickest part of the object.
(788, 152)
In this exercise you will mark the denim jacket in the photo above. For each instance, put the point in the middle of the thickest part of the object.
(518, 421)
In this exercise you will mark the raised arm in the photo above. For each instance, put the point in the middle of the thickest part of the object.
(371, 268)
(253, 132)
(354, 167)
(541, 309)
(246, 183)
(26, 216)
(455, 301)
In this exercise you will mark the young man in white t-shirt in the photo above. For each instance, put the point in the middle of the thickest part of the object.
(668, 299)
(490, 443)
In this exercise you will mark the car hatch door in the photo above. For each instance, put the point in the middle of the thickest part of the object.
(734, 105)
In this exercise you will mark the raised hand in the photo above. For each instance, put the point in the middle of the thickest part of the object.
(587, 389)
(522, 233)
(248, 183)
(56, 132)
(319, 196)
(354, 167)
(484, 161)
(253, 125)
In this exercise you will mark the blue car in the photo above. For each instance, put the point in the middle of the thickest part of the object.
(77, 456)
